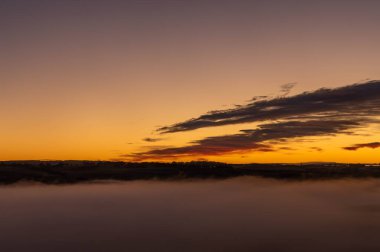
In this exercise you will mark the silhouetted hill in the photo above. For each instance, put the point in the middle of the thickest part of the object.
(57, 172)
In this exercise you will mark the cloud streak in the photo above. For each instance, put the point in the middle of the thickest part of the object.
(152, 140)
(353, 100)
(254, 140)
(324, 112)
(373, 145)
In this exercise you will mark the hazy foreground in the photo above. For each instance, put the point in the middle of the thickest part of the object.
(238, 214)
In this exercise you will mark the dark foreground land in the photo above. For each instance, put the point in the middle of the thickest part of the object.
(61, 172)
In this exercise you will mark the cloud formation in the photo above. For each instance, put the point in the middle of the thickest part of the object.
(152, 140)
(324, 112)
(373, 145)
(353, 100)
(316, 149)
(287, 88)
(262, 139)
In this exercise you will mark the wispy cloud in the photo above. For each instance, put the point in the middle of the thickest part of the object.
(373, 145)
(316, 149)
(353, 100)
(287, 88)
(262, 139)
(325, 112)
(152, 140)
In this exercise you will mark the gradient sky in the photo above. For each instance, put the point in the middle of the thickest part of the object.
(93, 79)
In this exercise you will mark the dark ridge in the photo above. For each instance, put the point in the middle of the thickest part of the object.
(66, 172)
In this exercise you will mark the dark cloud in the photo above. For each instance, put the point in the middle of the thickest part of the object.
(258, 98)
(373, 145)
(349, 101)
(321, 113)
(262, 139)
(152, 140)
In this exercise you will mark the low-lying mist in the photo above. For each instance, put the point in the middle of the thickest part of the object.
(239, 214)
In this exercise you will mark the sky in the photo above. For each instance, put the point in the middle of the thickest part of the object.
(136, 80)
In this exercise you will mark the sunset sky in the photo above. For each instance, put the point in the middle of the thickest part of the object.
(136, 80)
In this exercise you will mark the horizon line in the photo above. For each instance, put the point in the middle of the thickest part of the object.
(192, 161)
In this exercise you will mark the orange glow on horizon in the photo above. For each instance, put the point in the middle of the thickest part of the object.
(91, 82)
